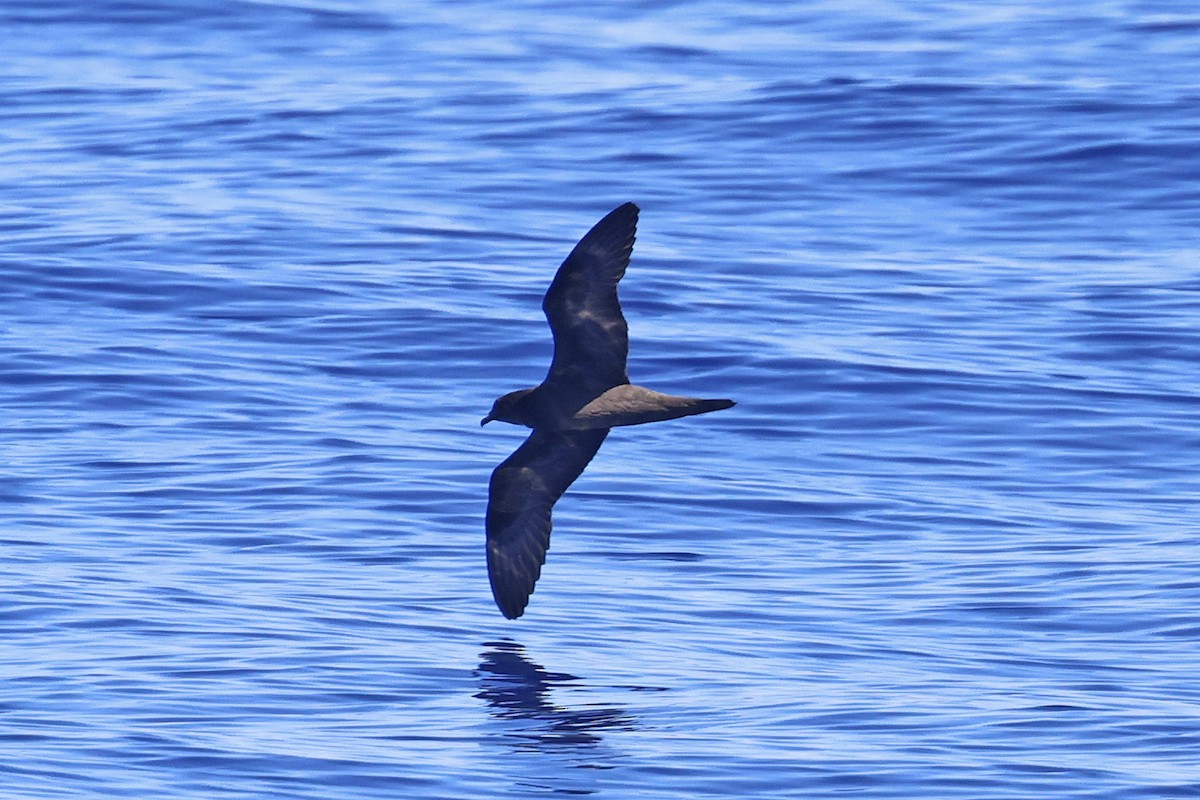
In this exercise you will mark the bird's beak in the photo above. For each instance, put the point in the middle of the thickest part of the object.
(486, 420)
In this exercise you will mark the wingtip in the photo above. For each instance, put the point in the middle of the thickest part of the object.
(510, 607)
(629, 210)
(510, 589)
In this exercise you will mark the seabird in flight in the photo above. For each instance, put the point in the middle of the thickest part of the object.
(585, 393)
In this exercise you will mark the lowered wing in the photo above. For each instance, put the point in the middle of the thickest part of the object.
(523, 491)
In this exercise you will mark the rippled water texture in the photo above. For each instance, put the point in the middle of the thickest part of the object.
(264, 266)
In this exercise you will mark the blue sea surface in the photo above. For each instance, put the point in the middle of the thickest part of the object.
(265, 265)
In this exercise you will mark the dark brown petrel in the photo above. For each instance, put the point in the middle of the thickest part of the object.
(586, 392)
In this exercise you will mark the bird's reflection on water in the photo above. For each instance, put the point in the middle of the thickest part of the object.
(518, 691)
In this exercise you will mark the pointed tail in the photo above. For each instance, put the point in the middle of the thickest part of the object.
(635, 405)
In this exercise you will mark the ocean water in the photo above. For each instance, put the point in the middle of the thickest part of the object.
(264, 266)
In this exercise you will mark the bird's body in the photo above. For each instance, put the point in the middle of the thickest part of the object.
(585, 394)
(625, 404)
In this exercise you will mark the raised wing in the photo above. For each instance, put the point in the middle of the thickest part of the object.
(522, 493)
(591, 339)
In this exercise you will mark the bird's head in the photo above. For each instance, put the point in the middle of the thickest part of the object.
(510, 408)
